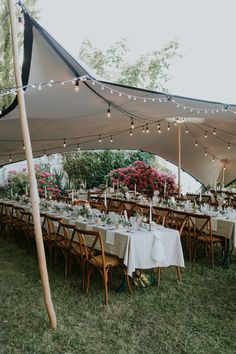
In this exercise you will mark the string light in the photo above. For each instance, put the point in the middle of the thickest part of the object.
(10, 159)
(206, 153)
(44, 153)
(159, 128)
(196, 143)
(23, 146)
(78, 147)
(77, 85)
(229, 146)
(111, 139)
(109, 111)
(131, 132)
(214, 131)
(132, 123)
(147, 128)
(186, 130)
(64, 143)
(205, 135)
(100, 139)
(213, 158)
(168, 127)
(143, 129)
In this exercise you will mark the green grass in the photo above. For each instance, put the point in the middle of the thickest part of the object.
(197, 316)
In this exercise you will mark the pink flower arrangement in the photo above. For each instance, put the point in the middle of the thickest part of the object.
(146, 179)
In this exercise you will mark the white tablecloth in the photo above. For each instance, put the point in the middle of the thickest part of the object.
(151, 249)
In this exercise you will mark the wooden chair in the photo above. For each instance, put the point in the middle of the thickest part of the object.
(5, 218)
(114, 205)
(177, 221)
(96, 258)
(201, 233)
(52, 224)
(62, 243)
(27, 226)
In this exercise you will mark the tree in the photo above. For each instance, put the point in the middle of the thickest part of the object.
(94, 167)
(7, 79)
(149, 71)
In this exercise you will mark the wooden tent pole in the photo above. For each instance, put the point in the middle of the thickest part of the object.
(32, 179)
(179, 160)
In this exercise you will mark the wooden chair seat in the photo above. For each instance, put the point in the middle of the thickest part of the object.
(110, 261)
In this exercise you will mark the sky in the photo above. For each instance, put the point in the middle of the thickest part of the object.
(205, 30)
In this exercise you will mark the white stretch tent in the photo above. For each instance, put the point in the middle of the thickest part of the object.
(58, 114)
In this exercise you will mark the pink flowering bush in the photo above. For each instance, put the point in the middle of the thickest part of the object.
(146, 179)
(18, 182)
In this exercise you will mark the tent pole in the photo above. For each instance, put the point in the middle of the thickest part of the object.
(32, 179)
(179, 160)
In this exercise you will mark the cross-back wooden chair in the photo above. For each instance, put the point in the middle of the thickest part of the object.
(27, 226)
(114, 205)
(51, 225)
(177, 221)
(201, 234)
(5, 217)
(96, 258)
(62, 243)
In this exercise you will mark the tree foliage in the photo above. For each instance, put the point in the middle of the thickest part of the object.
(7, 79)
(95, 166)
(149, 71)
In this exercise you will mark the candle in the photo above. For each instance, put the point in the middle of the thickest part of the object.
(135, 189)
(165, 188)
(45, 192)
(215, 185)
(126, 215)
(200, 196)
(105, 199)
(11, 193)
(150, 214)
(85, 184)
(26, 189)
(106, 182)
(72, 196)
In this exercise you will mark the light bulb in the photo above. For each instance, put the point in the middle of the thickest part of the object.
(229, 146)
(10, 159)
(186, 130)
(213, 159)
(111, 139)
(109, 111)
(23, 146)
(44, 153)
(147, 128)
(214, 131)
(78, 147)
(64, 143)
(196, 143)
(132, 123)
(168, 127)
(77, 85)
(100, 139)
(131, 132)
(205, 153)
(205, 135)
(143, 129)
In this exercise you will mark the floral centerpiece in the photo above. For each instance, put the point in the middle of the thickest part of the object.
(144, 179)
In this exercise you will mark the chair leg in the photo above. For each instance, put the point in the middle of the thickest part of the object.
(105, 278)
(89, 271)
(127, 280)
(178, 274)
(158, 276)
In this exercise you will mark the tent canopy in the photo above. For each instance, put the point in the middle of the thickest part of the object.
(57, 114)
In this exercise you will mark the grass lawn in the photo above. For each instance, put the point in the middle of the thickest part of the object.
(197, 316)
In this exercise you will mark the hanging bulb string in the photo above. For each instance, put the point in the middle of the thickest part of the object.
(215, 136)
(221, 107)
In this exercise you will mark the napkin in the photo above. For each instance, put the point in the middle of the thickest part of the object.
(110, 236)
(158, 251)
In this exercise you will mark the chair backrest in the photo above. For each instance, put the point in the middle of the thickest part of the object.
(176, 220)
(52, 224)
(200, 226)
(91, 241)
(142, 209)
(65, 232)
(114, 205)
